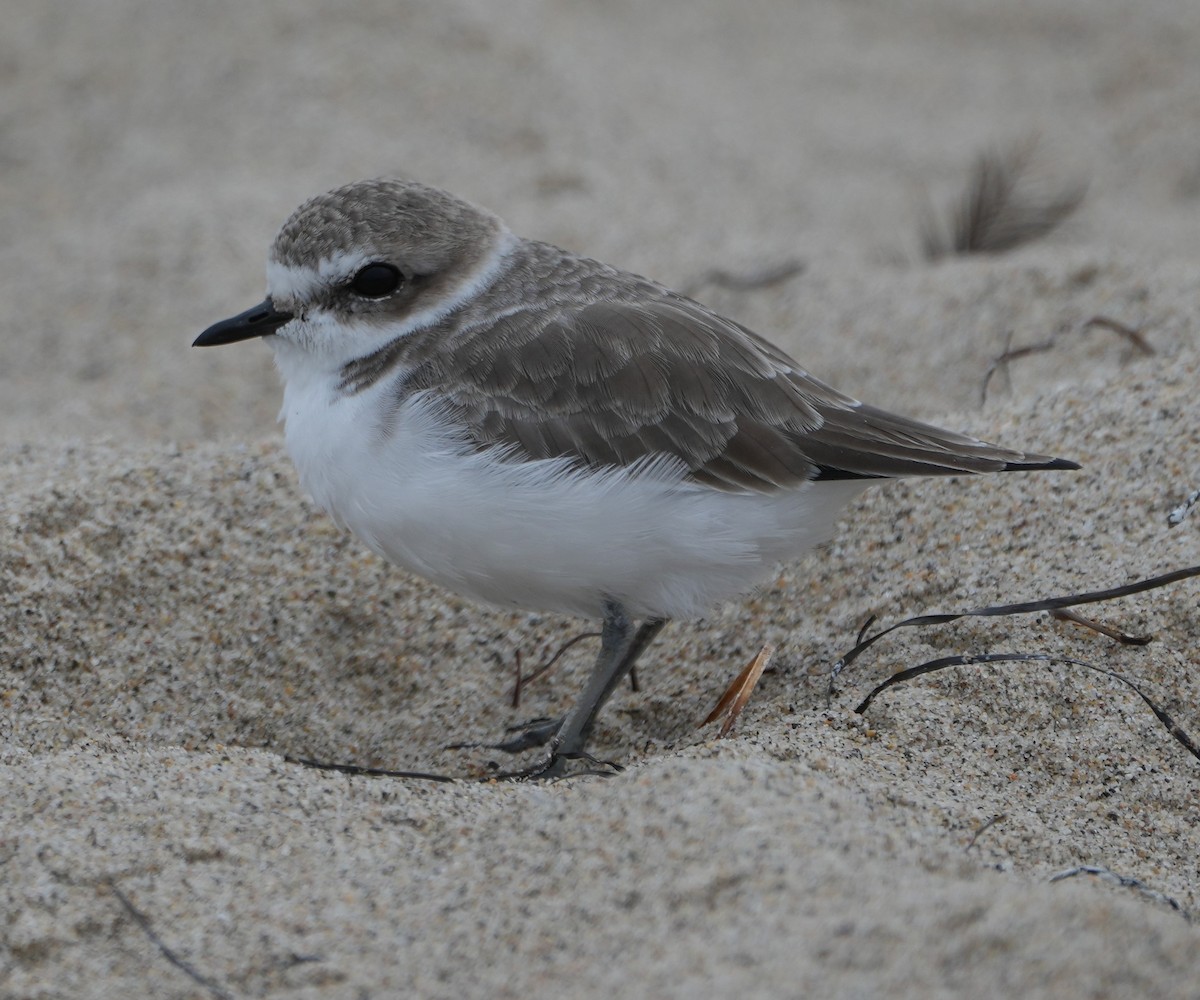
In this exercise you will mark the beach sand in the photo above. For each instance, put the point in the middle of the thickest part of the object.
(178, 620)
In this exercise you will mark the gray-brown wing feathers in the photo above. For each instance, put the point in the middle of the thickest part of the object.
(612, 383)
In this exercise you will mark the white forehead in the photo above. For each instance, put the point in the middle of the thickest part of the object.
(302, 282)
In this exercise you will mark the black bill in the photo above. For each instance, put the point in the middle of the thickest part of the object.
(263, 319)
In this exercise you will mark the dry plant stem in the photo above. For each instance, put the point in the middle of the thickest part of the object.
(370, 772)
(144, 923)
(773, 274)
(1025, 607)
(521, 681)
(998, 818)
(738, 693)
(1000, 209)
(1124, 882)
(1135, 337)
(965, 660)
(1052, 605)
(1125, 638)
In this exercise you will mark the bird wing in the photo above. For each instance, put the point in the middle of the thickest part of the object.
(617, 382)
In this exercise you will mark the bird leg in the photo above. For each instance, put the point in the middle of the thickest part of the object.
(620, 647)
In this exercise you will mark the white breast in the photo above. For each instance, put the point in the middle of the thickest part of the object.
(537, 535)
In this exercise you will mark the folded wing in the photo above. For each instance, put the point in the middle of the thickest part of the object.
(615, 383)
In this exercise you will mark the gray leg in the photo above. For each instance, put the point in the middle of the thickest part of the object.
(620, 647)
(567, 735)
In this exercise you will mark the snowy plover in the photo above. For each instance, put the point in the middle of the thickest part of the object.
(539, 430)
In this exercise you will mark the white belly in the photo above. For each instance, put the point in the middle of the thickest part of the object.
(539, 535)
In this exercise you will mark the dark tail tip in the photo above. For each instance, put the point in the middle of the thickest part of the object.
(1036, 463)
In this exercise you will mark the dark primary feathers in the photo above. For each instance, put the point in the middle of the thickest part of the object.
(646, 372)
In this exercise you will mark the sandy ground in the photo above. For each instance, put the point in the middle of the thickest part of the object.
(177, 618)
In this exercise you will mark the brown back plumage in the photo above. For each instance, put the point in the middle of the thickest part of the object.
(609, 369)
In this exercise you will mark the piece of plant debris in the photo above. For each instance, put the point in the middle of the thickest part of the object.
(1179, 513)
(1000, 363)
(746, 281)
(1124, 882)
(168, 953)
(1051, 605)
(738, 693)
(983, 828)
(1177, 732)
(1002, 208)
(361, 770)
(1004, 610)
(523, 679)
(1124, 638)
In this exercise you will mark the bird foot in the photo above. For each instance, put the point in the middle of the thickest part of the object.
(529, 735)
(560, 766)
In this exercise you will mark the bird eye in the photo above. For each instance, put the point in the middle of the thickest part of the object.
(375, 281)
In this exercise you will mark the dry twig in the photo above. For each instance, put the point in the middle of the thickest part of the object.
(1052, 605)
(1001, 362)
(998, 818)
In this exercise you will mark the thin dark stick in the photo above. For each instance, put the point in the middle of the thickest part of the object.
(1125, 882)
(773, 274)
(539, 671)
(144, 923)
(1135, 337)
(1046, 604)
(557, 656)
(518, 682)
(986, 826)
(867, 623)
(371, 772)
(1172, 727)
